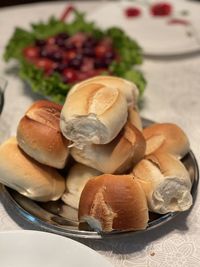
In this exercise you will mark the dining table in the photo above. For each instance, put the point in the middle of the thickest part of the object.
(172, 95)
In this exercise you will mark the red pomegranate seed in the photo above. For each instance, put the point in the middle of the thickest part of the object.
(31, 52)
(51, 40)
(101, 50)
(78, 39)
(132, 12)
(70, 75)
(88, 64)
(69, 55)
(161, 9)
(46, 64)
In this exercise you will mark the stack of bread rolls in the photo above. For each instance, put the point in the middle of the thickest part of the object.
(120, 171)
(29, 162)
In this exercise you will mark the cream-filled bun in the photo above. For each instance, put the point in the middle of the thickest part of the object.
(93, 114)
(39, 134)
(165, 181)
(127, 88)
(168, 138)
(116, 157)
(25, 175)
(76, 179)
(113, 202)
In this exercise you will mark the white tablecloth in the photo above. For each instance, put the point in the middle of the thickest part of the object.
(172, 95)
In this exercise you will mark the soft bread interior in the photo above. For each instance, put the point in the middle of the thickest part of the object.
(171, 195)
(166, 183)
(93, 114)
(83, 130)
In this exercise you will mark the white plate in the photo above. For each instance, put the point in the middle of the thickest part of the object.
(40, 249)
(154, 34)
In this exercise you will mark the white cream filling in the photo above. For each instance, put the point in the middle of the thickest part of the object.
(171, 195)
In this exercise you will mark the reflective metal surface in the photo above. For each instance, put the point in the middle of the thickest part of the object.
(56, 217)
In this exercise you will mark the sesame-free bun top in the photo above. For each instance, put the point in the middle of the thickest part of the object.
(127, 88)
(93, 114)
(114, 202)
(39, 134)
(168, 138)
(25, 175)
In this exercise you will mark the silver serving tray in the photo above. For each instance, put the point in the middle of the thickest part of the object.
(58, 218)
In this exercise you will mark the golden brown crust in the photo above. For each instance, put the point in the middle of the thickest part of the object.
(27, 176)
(126, 87)
(45, 112)
(87, 94)
(169, 166)
(117, 201)
(116, 157)
(39, 135)
(130, 149)
(166, 137)
(134, 118)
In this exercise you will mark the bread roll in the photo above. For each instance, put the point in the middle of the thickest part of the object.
(127, 88)
(166, 137)
(165, 181)
(27, 176)
(134, 118)
(39, 134)
(114, 202)
(116, 157)
(93, 114)
(76, 179)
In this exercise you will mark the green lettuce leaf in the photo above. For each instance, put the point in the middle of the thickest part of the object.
(51, 86)
(128, 49)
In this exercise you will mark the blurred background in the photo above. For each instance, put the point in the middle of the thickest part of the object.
(4, 3)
